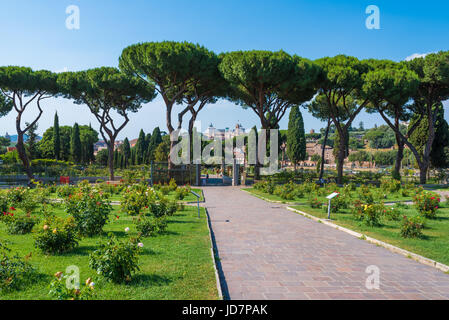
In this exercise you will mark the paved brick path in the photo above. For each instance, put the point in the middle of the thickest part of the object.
(268, 252)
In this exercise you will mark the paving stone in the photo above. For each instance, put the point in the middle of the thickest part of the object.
(268, 252)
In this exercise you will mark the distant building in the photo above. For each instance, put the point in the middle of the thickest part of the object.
(101, 145)
(313, 148)
(213, 133)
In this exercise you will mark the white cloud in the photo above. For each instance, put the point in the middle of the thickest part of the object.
(416, 55)
(65, 69)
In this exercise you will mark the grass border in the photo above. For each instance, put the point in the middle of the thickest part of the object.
(213, 251)
(406, 253)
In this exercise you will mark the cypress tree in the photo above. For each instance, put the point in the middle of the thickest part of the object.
(155, 140)
(56, 138)
(296, 138)
(140, 148)
(126, 152)
(75, 144)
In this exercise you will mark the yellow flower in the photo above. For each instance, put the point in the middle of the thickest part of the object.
(55, 231)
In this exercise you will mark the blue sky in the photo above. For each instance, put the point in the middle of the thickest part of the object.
(34, 34)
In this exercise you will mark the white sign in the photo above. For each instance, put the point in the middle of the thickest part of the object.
(195, 194)
(332, 195)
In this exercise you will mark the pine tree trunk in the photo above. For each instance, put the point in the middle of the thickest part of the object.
(400, 155)
(323, 150)
(111, 159)
(23, 156)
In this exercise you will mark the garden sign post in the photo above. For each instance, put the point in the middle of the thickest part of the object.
(330, 197)
(197, 201)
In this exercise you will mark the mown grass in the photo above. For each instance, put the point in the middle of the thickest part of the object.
(434, 244)
(174, 265)
(303, 200)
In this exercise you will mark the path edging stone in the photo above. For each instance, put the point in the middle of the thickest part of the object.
(406, 253)
(217, 277)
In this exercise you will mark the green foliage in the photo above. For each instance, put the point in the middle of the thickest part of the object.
(14, 271)
(412, 227)
(135, 199)
(269, 82)
(163, 207)
(296, 141)
(427, 203)
(390, 185)
(56, 235)
(18, 224)
(182, 192)
(370, 214)
(315, 203)
(58, 289)
(116, 260)
(385, 158)
(90, 209)
(359, 156)
(75, 144)
(151, 226)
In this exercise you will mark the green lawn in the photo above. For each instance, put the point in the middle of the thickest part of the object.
(304, 200)
(434, 244)
(175, 265)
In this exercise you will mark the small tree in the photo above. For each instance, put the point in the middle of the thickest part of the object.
(296, 139)
(75, 144)
(389, 87)
(105, 91)
(269, 83)
(339, 98)
(23, 87)
(126, 149)
(140, 148)
(170, 67)
(56, 138)
(433, 89)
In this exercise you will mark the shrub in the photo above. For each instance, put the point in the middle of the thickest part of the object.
(115, 260)
(286, 191)
(4, 203)
(390, 185)
(163, 207)
(357, 209)
(65, 190)
(14, 271)
(151, 226)
(90, 210)
(16, 195)
(310, 187)
(426, 203)
(59, 291)
(56, 235)
(30, 203)
(182, 192)
(172, 185)
(392, 213)
(18, 224)
(412, 227)
(315, 203)
(365, 194)
(165, 189)
(135, 200)
(370, 214)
